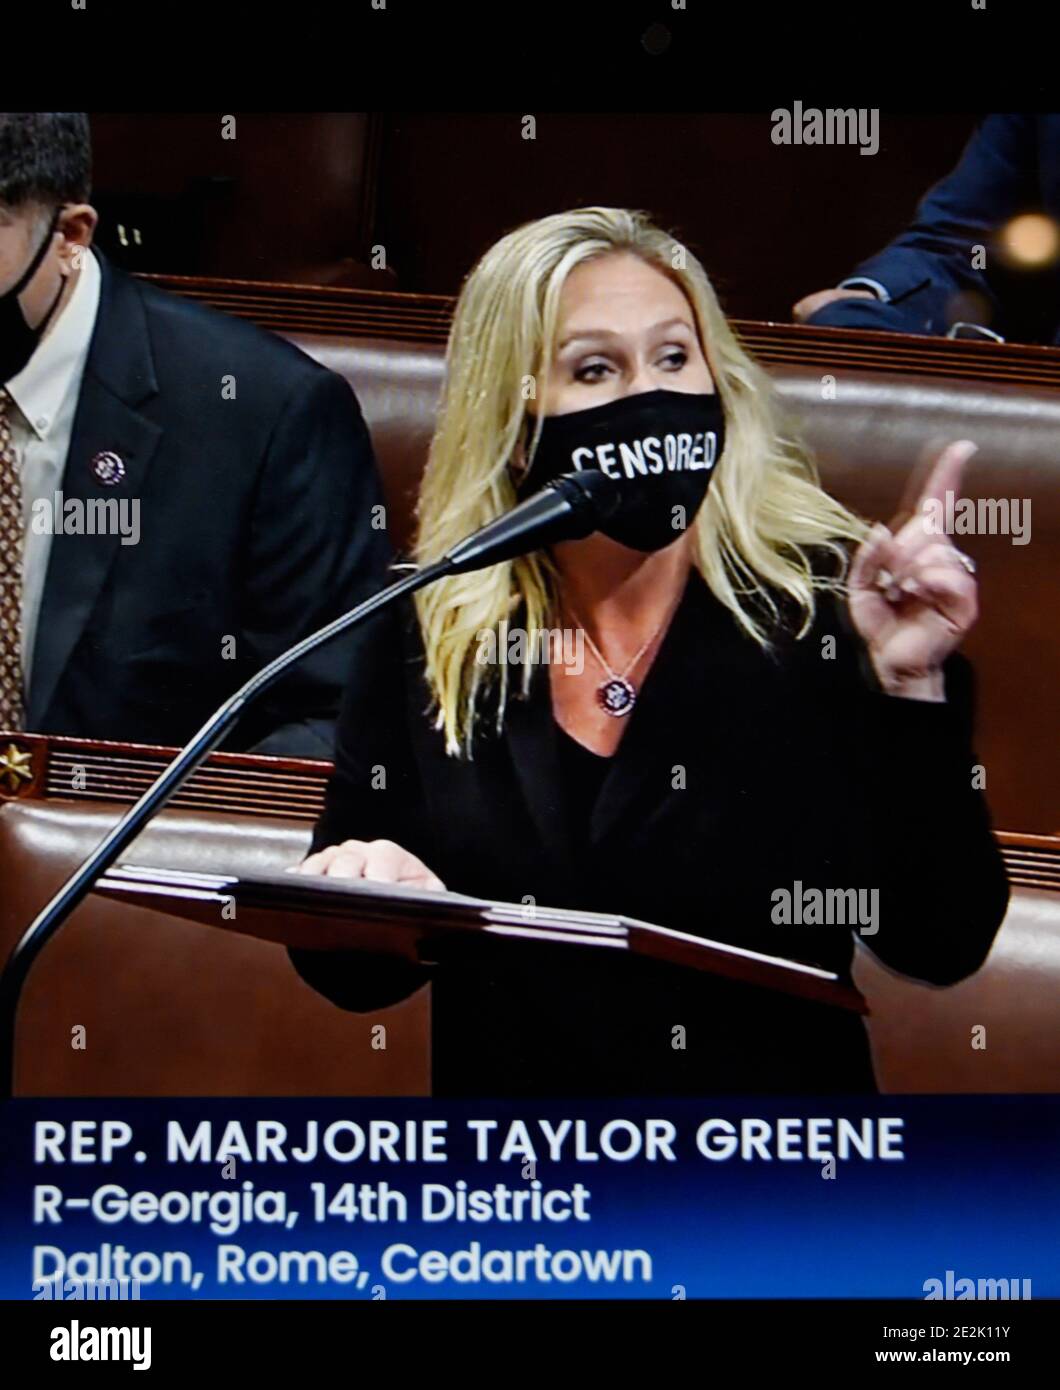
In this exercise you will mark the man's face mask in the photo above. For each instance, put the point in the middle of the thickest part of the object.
(17, 340)
(658, 447)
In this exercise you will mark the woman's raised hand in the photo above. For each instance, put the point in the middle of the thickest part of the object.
(381, 860)
(913, 594)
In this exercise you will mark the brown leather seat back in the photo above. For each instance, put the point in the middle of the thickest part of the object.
(871, 442)
(398, 386)
(169, 1007)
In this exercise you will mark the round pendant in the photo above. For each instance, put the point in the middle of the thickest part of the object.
(617, 697)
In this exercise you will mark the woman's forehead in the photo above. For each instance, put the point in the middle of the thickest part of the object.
(618, 294)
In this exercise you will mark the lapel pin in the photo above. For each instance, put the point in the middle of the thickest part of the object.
(108, 469)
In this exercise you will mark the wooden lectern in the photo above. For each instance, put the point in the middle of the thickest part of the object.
(424, 926)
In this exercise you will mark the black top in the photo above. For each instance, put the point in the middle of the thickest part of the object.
(741, 774)
(582, 774)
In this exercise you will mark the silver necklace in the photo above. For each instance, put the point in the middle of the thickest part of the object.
(617, 694)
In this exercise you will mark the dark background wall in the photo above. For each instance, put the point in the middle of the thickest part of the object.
(771, 223)
(305, 196)
(289, 198)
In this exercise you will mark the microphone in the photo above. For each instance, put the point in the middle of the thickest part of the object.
(568, 508)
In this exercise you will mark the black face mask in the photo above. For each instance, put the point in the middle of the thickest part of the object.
(18, 341)
(659, 448)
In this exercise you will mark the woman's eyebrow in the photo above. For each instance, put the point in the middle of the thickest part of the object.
(594, 333)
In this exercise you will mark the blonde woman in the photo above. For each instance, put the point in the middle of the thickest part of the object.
(766, 702)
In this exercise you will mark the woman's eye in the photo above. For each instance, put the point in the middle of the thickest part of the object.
(675, 359)
(591, 371)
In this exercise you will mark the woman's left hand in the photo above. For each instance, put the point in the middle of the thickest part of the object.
(912, 595)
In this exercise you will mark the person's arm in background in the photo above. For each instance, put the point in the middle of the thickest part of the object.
(911, 284)
(317, 547)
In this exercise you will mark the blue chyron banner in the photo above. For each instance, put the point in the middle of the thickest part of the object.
(838, 1197)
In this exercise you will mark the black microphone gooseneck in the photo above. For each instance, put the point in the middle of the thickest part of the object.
(569, 508)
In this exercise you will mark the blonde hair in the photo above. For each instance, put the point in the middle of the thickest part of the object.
(765, 507)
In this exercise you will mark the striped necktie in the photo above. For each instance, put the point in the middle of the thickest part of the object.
(12, 530)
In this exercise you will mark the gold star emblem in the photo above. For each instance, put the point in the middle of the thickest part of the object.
(16, 767)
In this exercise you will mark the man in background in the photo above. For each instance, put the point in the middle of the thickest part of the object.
(948, 267)
(182, 495)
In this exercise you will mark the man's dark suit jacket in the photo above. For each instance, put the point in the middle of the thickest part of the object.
(255, 522)
(796, 769)
(1011, 165)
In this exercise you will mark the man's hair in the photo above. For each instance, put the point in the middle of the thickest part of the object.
(45, 158)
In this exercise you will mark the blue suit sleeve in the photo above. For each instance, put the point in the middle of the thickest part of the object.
(931, 262)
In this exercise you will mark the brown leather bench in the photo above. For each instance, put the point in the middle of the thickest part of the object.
(213, 1013)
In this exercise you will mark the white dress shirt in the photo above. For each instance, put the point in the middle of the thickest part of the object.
(46, 393)
(862, 282)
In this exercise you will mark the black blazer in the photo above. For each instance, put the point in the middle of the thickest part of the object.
(255, 526)
(796, 768)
